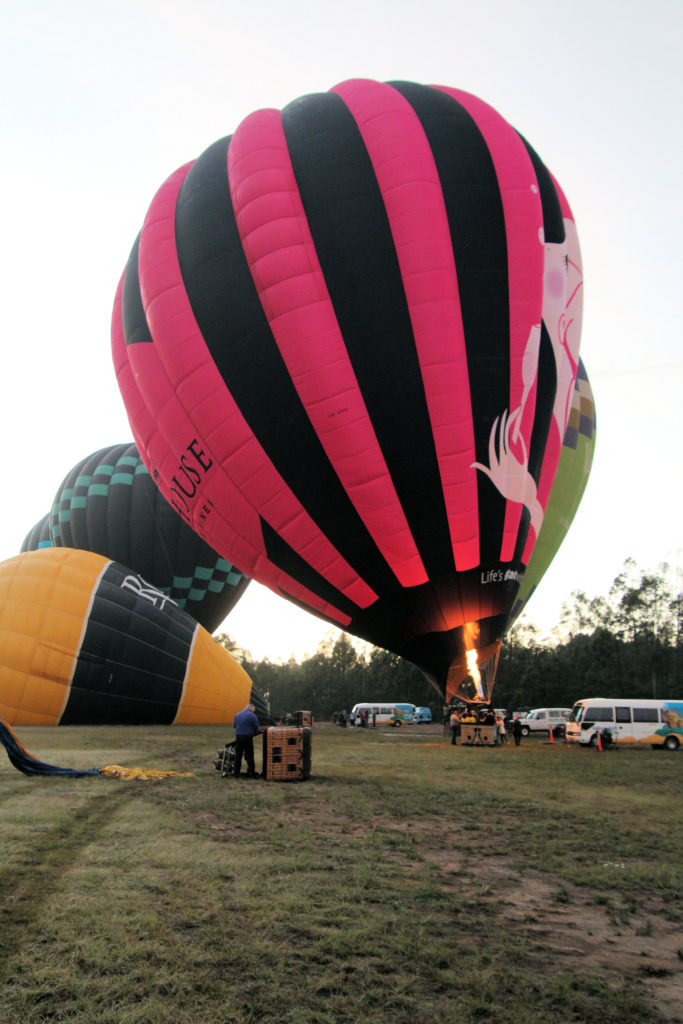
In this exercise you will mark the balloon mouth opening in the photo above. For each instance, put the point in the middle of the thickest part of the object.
(471, 677)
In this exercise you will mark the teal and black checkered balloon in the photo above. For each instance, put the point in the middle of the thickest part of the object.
(110, 505)
(38, 536)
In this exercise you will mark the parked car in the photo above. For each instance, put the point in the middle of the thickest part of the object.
(546, 720)
(423, 715)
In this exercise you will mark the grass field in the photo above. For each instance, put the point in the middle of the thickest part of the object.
(406, 881)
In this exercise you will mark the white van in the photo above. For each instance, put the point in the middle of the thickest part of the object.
(378, 713)
(545, 720)
(655, 722)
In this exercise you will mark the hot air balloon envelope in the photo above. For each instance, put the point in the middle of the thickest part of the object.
(85, 641)
(347, 338)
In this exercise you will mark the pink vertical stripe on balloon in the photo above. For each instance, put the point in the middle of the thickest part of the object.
(279, 248)
(408, 180)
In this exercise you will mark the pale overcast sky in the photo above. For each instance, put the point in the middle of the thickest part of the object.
(101, 101)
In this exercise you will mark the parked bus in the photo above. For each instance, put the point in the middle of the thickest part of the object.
(383, 713)
(657, 722)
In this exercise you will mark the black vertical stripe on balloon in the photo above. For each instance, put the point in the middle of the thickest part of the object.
(477, 227)
(88, 533)
(133, 491)
(134, 323)
(132, 661)
(546, 389)
(107, 511)
(76, 501)
(155, 542)
(229, 314)
(353, 241)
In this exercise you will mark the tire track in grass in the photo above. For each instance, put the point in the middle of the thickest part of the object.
(25, 887)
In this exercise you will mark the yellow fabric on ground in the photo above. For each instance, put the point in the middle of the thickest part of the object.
(116, 771)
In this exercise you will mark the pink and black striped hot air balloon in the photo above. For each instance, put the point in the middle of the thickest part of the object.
(347, 338)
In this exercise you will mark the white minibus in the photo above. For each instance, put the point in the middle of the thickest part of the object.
(657, 722)
(382, 713)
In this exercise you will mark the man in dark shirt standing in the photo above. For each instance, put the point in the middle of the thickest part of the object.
(517, 730)
(246, 727)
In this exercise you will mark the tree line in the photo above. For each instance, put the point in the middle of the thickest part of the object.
(625, 644)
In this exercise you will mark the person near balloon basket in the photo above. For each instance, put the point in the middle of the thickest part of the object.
(455, 727)
(246, 726)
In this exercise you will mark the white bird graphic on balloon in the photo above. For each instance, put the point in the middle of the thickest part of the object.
(510, 475)
(562, 299)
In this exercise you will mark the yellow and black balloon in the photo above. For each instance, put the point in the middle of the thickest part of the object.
(86, 641)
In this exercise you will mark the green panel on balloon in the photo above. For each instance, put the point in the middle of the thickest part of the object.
(570, 483)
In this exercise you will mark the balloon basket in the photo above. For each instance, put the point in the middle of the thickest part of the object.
(286, 754)
(475, 735)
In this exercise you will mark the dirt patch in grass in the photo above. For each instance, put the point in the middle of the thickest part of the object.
(566, 927)
(576, 930)
(613, 939)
